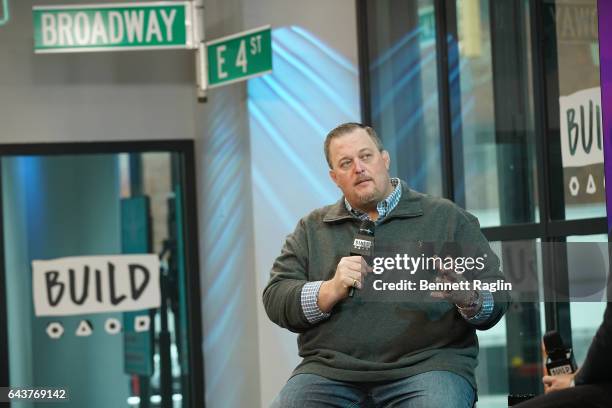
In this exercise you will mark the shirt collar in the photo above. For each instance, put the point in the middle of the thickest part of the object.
(384, 207)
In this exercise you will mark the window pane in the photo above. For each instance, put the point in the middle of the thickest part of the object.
(574, 113)
(585, 271)
(97, 204)
(509, 363)
(492, 120)
(404, 90)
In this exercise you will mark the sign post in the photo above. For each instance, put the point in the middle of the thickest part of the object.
(5, 14)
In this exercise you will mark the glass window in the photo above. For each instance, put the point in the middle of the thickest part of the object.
(85, 205)
(492, 120)
(492, 70)
(404, 90)
(508, 363)
(574, 113)
(588, 267)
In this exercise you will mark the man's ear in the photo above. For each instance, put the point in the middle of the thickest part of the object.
(386, 158)
(332, 175)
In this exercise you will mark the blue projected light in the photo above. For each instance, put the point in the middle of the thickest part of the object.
(329, 52)
(410, 62)
(396, 48)
(5, 14)
(312, 89)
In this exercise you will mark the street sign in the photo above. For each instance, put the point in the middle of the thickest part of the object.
(239, 56)
(113, 27)
(427, 26)
(5, 14)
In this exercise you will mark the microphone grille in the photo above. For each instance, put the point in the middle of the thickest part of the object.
(553, 341)
(367, 227)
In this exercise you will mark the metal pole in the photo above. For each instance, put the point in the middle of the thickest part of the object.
(201, 57)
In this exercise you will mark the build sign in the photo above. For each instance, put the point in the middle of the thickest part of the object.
(95, 284)
(582, 146)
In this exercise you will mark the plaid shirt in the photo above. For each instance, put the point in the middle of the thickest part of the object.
(384, 207)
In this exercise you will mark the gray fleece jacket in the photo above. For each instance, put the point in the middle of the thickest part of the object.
(367, 340)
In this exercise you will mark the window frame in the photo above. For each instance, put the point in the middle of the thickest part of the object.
(185, 150)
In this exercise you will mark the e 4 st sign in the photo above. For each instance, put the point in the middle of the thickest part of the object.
(240, 56)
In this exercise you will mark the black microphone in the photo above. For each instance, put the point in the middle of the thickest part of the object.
(560, 359)
(363, 244)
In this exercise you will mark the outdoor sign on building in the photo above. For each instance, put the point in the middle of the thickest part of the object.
(582, 146)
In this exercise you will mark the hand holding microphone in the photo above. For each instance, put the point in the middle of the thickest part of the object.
(557, 382)
(560, 363)
(349, 275)
(350, 270)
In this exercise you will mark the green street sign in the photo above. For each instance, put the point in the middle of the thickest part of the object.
(240, 56)
(112, 27)
(427, 24)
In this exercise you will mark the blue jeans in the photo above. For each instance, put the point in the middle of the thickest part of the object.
(432, 389)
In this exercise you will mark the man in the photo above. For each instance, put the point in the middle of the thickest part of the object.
(387, 353)
(591, 385)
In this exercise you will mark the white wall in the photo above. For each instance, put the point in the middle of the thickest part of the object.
(226, 233)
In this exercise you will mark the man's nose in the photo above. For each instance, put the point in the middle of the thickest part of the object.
(359, 166)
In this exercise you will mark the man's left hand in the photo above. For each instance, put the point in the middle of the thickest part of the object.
(461, 298)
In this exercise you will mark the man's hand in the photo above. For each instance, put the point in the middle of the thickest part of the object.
(461, 298)
(349, 273)
(557, 382)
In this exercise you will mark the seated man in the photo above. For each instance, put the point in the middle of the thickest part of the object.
(591, 385)
(388, 353)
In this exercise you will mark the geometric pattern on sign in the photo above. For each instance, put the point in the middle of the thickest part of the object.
(84, 329)
(112, 326)
(55, 330)
(142, 323)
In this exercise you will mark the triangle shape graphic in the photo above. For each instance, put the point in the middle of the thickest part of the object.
(591, 188)
(84, 329)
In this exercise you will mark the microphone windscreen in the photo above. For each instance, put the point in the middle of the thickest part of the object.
(553, 341)
(367, 227)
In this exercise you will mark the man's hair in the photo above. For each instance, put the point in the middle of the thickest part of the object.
(347, 128)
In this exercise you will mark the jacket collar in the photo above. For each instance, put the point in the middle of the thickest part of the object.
(410, 205)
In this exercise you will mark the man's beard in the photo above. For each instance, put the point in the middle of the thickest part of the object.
(370, 198)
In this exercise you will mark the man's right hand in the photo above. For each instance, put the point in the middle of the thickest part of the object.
(349, 273)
